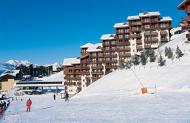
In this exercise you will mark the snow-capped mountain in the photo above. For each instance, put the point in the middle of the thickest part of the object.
(17, 63)
(5, 67)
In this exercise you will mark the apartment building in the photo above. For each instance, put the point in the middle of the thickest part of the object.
(185, 5)
(72, 75)
(144, 31)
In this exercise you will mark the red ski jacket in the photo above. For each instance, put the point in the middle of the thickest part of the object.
(29, 102)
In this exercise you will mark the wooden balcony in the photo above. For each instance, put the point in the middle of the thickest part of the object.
(98, 72)
(150, 33)
(124, 31)
(139, 41)
(186, 19)
(187, 9)
(125, 55)
(106, 44)
(97, 67)
(110, 55)
(151, 28)
(135, 36)
(188, 35)
(163, 33)
(124, 49)
(112, 67)
(147, 46)
(151, 40)
(165, 27)
(186, 27)
(124, 43)
(135, 23)
(150, 21)
(135, 29)
(139, 47)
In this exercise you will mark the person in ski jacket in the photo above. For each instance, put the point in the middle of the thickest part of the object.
(28, 105)
(54, 96)
(66, 96)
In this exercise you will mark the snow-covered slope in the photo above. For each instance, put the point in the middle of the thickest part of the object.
(54, 77)
(5, 67)
(116, 97)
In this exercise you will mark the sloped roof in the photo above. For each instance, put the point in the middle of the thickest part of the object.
(166, 19)
(108, 37)
(71, 61)
(149, 14)
(87, 45)
(136, 17)
(120, 25)
(95, 48)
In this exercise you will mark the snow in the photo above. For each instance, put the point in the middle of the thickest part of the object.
(54, 77)
(166, 19)
(116, 97)
(108, 37)
(70, 61)
(95, 48)
(17, 63)
(87, 45)
(121, 25)
(175, 30)
(145, 14)
(136, 17)
(149, 14)
(12, 73)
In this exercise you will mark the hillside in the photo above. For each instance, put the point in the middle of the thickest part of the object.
(116, 97)
(5, 66)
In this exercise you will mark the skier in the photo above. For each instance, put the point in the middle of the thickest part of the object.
(28, 105)
(54, 96)
(66, 96)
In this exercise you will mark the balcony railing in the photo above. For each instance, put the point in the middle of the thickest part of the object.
(135, 23)
(124, 49)
(187, 9)
(150, 21)
(165, 27)
(164, 39)
(151, 40)
(188, 35)
(135, 29)
(139, 47)
(135, 35)
(186, 27)
(150, 33)
(139, 41)
(147, 46)
(163, 33)
(125, 55)
(124, 43)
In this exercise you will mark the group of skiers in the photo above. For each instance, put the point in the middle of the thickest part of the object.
(4, 103)
(66, 96)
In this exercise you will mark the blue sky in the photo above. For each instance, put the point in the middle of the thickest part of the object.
(46, 31)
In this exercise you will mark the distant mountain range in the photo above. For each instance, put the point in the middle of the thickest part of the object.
(17, 63)
(12, 64)
(5, 67)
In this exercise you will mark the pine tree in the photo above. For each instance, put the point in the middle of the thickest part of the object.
(178, 53)
(152, 55)
(161, 61)
(136, 60)
(170, 53)
(143, 58)
(147, 52)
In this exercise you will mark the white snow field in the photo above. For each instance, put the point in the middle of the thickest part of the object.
(54, 77)
(116, 98)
